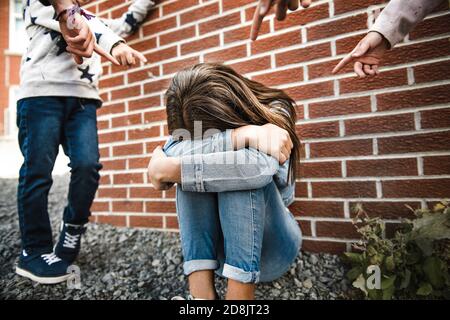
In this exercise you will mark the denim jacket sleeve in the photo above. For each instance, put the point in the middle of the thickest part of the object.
(211, 165)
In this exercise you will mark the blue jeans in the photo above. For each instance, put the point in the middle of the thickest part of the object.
(44, 124)
(248, 236)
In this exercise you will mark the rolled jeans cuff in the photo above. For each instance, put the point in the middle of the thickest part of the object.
(239, 274)
(198, 265)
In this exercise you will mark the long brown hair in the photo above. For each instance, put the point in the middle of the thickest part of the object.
(222, 99)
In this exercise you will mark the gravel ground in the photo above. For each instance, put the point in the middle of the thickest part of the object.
(123, 263)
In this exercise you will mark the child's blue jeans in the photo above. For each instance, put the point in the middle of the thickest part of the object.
(44, 124)
(248, 236)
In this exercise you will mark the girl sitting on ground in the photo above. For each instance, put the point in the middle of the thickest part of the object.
(233, 153)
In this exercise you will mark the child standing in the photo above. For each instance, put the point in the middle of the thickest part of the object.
(57, 105)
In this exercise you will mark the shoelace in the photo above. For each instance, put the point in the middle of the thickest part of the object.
(71, 241)
(50, 258)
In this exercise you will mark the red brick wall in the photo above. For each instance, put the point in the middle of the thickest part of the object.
(4, 44)
(383, 142)
(9, 63)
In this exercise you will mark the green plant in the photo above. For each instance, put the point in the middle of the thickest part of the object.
(414, 263)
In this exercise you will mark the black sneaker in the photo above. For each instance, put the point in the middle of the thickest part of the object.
(45, 268)
(69, 242)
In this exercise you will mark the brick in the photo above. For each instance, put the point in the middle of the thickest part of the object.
(310, 91)
(336, 229)
(112, 193)
(177, 35)
(114, 164)
(302, 17)
(102, 124)
(111, 137)
(339, 107)
(331, 209)
(382, 167)
(156, 86)
(128, 178)
(305, 226)
(110, 4)
(423, 188)
(432, 72)
(111, 82)
(278, 41)
(179, 5)
(143, 133)
(126, 92)
(337, 27)
(342, 6)
(252, 65)
(280, 77)
(439, 141)
(232, 4)
(100, 206)
(333, 247)
(143, 45)
(436, 165)
(415, 52)
(243, 33)
(160, 206)
(200, 44)
(385, 79)
(391, 123)
(220, 23)
(152, 145)
(162, 54)
(116, 220)
(171, 222)
(105, 179)
(128, 149)
(178, 65)
(159, 26)
(111, 108)
(301, 189)
(223, 55)
(144, 103)
(143, 74)
(310, 53)
(128, 206)
(318, 130)
(344, 189)
(138, 163)
(431, 27)
(144, 192)
(146, 222)
(199, 13)
(341, 148)
(152, 116)
(438, 118)
(413, 98)
(131, 119)
(386, 209)
(325, 169)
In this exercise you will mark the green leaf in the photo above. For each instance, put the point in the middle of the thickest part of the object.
(433, 268)
(425, 289)
(406, 279)
(353, 257)
(354, 273)
(388, 282)
(388, 293)
(360, 284)
(389, 263)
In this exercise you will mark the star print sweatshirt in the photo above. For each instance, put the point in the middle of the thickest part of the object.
(47, 69)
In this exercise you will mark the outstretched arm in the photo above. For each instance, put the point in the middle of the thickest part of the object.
(221, 162)
(130, 21)
(392, 25)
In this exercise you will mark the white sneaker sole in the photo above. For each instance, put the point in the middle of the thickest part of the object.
(43, 280)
